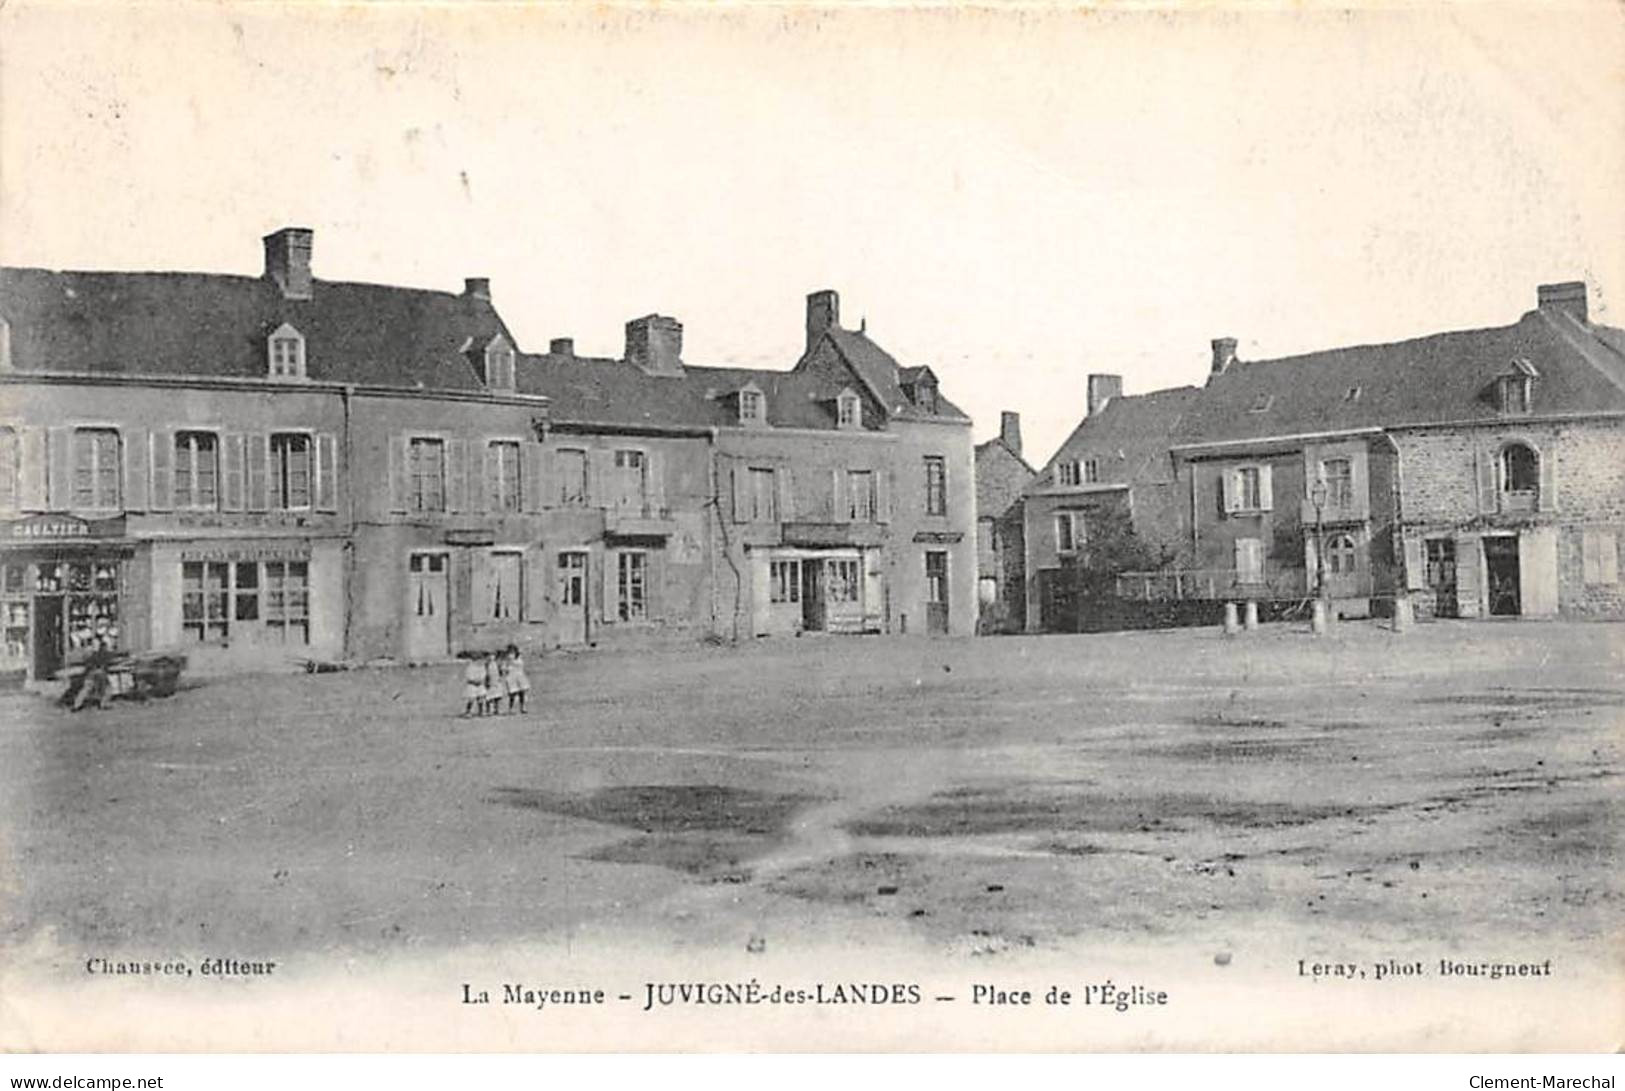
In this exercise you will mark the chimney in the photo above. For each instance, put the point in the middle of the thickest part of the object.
(823, 313)
(1568, 296)
(1224, 354)
(1100, 390)
(561, 346)
(1010, 430)
(477, 288)
(655, 344)
(287, 260)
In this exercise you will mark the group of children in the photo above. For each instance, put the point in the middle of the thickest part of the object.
(486, 681)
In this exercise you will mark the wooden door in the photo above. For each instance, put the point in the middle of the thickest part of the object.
(428, 606)
(936, 590)
(572, 597)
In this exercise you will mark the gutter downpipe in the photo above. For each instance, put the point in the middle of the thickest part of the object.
(346, 393)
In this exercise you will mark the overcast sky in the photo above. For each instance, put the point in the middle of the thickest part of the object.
(1015, 198)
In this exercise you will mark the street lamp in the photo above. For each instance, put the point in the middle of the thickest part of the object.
(1317, 496)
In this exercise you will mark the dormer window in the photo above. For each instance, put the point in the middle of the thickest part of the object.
(285, 349)
(752, 405)
(848, 410)
(925, 394)
(1262, 403)
(1515, 388)
(499, 364)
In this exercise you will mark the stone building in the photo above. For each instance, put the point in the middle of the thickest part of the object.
(1001, 475)
(273, 469)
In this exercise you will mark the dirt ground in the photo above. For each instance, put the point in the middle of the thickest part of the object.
(1453, 788)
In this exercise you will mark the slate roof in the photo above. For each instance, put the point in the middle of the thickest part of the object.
(1427, 380)
(207, 324)
(1137, 425)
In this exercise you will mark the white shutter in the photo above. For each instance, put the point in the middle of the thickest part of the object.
(535, 477)
(1607, 557)
(398, 463)
(1229, 492)
(537, 577)
(231, 471)
(326, 472)
(741, 481)
(1416, 569)
(135, 469)
(1266, 490)
(59, 476)
(161, 447)
(785, 481)
(656, 470)
(31, 450)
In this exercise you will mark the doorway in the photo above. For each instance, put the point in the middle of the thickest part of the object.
(936, 590)
(572, 591)
(812, 595)
(1441, 575)
(48, 650)
(427, 606)
(1504, 577)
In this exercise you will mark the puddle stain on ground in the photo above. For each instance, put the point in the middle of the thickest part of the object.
(709, 831)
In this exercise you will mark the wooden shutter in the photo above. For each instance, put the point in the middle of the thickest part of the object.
(135, 469)
(654, 584)
(537, 584)
(838, 512)
(456, 451)
(600, 479)
(1548, 477)
(1416, 567)
(397, 472)
(611, 569)
(1266, 489)
(655, 469)
(257, 468)
(534, 477)
(231, 472)
(1537, 572)
(32, 478)
(1469, 576)
(486, 493)
(1230, 491)
(1607, 557)
(741, 480)
(161, 445)
(784, 480)
(1488, 501)
(883, 494)
(327, 449)
(485, 586)
(59, 475)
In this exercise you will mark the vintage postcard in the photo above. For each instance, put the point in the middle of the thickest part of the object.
(533, 527)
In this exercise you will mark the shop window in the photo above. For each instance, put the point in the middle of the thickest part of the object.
(247, 605)
(290, 471)
(860, 495)
(936, 485)
(784, 581)
(572, 470)
(502, 473)
(287, 601)
(10, 466)
(426, 474)
(841, 581)
(196, 470)
(205, 591)
(96, 468)
(631, 585)
(267, 601)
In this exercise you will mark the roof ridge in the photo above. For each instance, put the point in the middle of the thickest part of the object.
(1561, 327)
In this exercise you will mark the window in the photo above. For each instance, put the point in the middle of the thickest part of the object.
(92, 604)
(1249, 491)
(572, 579)
(10, 468)
(426, 474)
(285, 350)
(925, 394)
(631, 478)
(1261, 403)
(572, 466)
(1340, 555)
(841, 581)
(764, 496)
(936, 485)
(750, 405)
(502, 475)
(95, 468)
(1520, 469)
(630, 604)
(1071, 531)
(1515, 393)
(1249, 560)
(499, 599)
(1067, 473)
(1338, 474)
(290, 470)
(205, 593)
(499, 365)
(287, 601)
(848, 410)
(196, 480)
(1599, 551)
(860, 495)
(273, 598)
(1352, 394)
(1091, 471)
(1441, 562)
(784, 581)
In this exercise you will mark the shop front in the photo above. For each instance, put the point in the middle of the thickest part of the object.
(65, 589)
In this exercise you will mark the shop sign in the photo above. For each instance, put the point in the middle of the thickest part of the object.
(61, 528)
(274, 551)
